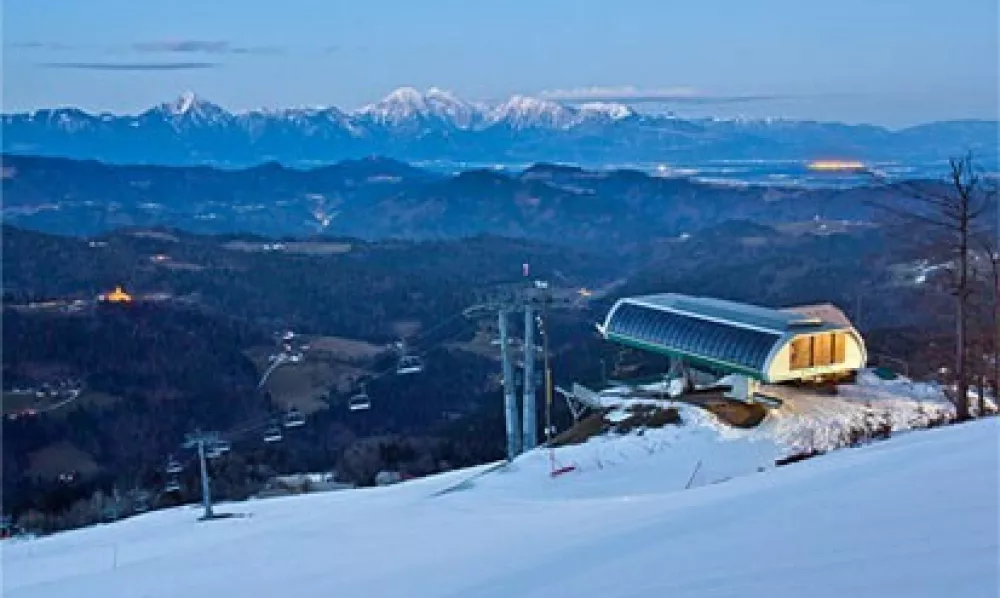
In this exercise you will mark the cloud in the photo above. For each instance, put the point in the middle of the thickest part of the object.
(40, 45)
(188, 46)
(25, 45)
(181, 46)
(636, 95)
(130, 66)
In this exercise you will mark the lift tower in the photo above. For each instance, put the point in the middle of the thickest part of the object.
(199, 440)
(534, 300)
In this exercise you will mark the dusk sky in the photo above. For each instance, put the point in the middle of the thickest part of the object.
(890, 62)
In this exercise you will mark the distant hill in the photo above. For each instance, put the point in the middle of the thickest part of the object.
(438, 126)
(380, 198)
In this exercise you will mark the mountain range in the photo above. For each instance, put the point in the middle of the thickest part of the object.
(437, 126)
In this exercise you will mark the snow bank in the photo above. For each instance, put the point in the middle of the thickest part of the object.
(704, 450)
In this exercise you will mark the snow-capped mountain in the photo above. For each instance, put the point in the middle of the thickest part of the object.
(406, 105)
(611, 110)
(190, 110)
(436, 125)
(523, 112)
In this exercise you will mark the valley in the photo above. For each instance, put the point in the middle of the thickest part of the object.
(198, 340)
(379, 198)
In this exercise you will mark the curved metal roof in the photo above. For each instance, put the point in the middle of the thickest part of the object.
(731, 336)
(732, 347)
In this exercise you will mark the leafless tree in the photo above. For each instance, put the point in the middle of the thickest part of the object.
(987, 269)
(953, 219)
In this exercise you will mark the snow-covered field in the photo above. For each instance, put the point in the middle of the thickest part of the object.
(912, 516)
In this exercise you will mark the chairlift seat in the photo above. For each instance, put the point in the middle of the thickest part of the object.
(294, 418)
(410, 364)
(272, 434)
(360, 402)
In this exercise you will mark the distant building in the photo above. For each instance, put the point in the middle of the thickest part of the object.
(116, 296)
(753, 344)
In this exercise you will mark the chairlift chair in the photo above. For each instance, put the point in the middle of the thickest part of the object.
(294, 418)
(359, 402)
(218, 448)
(172, 486)
(409, 364)
(272, 434)
(174, 466)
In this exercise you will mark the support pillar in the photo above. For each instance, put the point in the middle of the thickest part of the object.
(206, 495)
(509, 391)
(530, 431)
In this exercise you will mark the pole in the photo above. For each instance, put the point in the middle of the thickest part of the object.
(509, 390)
(206, 496)
(548, 378)
(530, 431)
(198, 441)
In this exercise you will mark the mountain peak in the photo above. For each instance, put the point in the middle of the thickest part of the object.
(525, 111)
(442, 94)
(189, 106)
(409, 104)
(185, 102)
(400, 105)
(405, 95)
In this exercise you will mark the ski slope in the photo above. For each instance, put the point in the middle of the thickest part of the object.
(912, 516)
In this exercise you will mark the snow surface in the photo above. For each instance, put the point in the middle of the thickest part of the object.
(706, 451)
(612, 110)
(911, 516)
(185, 102)
(409, 105)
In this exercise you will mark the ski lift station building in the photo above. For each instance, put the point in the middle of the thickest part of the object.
(762, 345)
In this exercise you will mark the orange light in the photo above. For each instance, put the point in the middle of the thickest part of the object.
(118, 296)
(833, 165)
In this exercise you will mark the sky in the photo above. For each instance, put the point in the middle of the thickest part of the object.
(888, 62)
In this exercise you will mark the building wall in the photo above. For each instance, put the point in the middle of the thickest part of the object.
(779, 365)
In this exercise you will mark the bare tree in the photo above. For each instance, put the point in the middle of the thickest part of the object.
(951, 219)
(987, 268)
